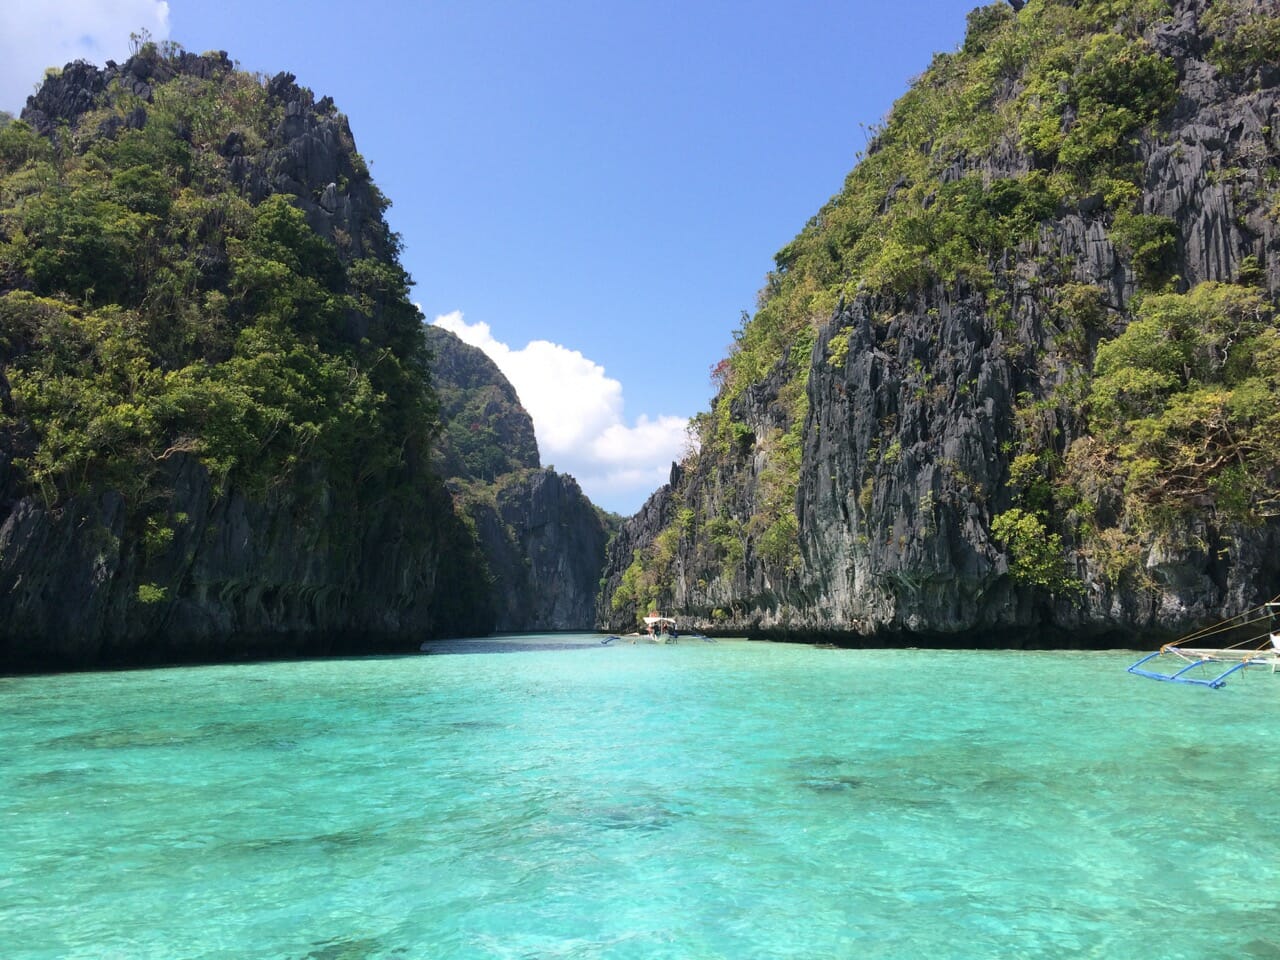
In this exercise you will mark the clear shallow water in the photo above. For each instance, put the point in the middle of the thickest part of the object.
(724, 800)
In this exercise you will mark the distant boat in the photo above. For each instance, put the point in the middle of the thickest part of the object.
(661, 629)
(1189, 661)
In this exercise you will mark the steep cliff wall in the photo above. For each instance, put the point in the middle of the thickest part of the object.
(545, 546)
(542, 540)
(237, 577)
(216, 414)
(949, 453)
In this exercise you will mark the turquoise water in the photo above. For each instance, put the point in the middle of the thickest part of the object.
(726, 800)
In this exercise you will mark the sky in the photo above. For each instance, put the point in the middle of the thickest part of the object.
(591, 191)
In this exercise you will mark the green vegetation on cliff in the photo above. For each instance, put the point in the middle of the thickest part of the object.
(149, 307)
(1043, 115)
(920, 208)
(488, 433)
(1185, 408)
(216, 413)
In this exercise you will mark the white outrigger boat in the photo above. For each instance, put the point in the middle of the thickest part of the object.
(660, 629)
(657, 629)
(1208, 666)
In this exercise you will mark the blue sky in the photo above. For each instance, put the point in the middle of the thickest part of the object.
(606, 180)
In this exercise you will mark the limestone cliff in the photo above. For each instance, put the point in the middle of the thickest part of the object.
(542, 540)
(216, 414)
(934, 455)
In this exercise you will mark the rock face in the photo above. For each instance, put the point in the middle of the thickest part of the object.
(240, 578)
(309, 154)
(211, 570)
(917, 403)
(449, 531)
(544, 543)
(542, 540)
(636, 534)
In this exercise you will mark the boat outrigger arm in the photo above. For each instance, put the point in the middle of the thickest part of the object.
(1192, 663)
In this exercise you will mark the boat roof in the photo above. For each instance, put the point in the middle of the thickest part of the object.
(657, 619)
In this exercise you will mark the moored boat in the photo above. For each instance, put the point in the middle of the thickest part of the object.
(1190, 660)
(660, 629)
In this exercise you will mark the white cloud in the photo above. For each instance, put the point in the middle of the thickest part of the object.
(577, 413)
(37, 34)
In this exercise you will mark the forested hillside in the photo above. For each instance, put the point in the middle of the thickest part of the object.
(1016, 381)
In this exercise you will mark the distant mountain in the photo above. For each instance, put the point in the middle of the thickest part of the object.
(1018, 382)
(487, 432)
(542, 540)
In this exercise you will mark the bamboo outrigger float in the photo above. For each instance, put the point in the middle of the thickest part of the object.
(1211, 666)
